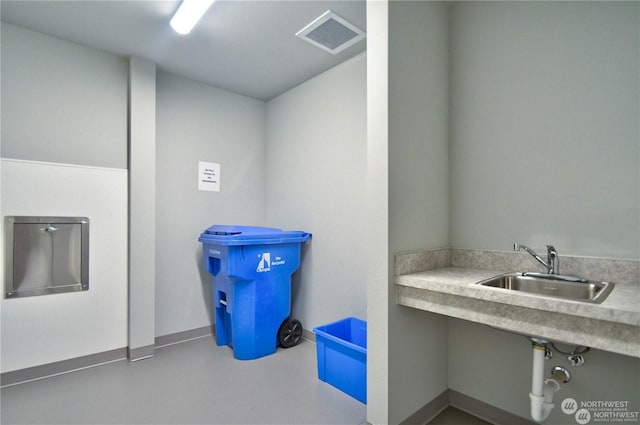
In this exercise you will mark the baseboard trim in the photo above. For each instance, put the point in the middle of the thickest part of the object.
(429, 411)
(485, 411)
(141, 353)
(35, 373)
(309, 335)
(179, 337)
(470, 405)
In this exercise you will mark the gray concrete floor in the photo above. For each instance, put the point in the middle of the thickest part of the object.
(195, 382)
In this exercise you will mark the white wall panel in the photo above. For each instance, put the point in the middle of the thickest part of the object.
(50, 328)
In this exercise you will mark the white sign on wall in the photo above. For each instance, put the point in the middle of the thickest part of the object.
(209, 176)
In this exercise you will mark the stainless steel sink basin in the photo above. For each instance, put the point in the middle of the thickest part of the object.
(565, 287)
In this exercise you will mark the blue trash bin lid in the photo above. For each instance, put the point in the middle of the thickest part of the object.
(250, 235)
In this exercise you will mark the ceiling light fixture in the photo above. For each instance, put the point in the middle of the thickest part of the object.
(188, 15)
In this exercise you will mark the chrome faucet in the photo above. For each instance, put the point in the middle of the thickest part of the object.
(553, 260)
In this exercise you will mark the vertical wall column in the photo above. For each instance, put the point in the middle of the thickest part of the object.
(142, 207)
(378, 254)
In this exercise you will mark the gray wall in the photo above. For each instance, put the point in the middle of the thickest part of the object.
(196, 122)
(142, 211)
(67, 103)
(544, 107)
(495, 367)
(418, 191)
(286, 164)
(377, 217)
(316, 165)
(545, 148)
(545, 141)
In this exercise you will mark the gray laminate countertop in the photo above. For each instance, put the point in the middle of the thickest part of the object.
(613, 325)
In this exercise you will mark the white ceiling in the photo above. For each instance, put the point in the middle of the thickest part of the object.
(247, 47)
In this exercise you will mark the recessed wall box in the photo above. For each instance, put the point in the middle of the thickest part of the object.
(46, 255)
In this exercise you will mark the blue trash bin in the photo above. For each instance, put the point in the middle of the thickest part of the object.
(252, 268)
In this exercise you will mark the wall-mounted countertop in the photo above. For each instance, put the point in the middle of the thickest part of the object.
(613, 325)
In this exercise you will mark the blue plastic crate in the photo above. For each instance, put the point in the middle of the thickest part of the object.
(342, 356)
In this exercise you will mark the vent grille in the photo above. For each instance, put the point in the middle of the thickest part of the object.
(331, 33)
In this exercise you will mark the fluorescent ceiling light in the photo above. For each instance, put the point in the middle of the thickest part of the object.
(188, 15)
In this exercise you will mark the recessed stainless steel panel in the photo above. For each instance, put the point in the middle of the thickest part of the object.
(46, 255)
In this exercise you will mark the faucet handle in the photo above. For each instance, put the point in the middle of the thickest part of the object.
(553, 259)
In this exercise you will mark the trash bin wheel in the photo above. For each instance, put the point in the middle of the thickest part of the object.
(290, 333)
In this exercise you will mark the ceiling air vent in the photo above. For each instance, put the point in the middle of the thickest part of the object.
(331, 33)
